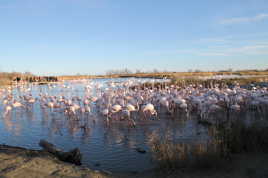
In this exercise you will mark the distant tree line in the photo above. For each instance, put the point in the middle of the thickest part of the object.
(128, 71)
(32, 79)
(119, 72)
(138, 71)
(6, 78)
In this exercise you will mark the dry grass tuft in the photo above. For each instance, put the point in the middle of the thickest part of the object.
(172, 156)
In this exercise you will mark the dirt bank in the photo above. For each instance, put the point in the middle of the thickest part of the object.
(19, 162)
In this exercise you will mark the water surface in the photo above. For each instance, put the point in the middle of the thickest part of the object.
(103, 147)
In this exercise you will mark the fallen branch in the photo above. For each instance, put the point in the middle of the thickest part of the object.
(73, 156)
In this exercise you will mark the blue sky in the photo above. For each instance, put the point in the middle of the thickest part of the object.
(55, 37)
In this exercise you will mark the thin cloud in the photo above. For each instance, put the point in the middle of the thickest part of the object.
(236, 20)
(169, 52)
(255, 49)
(213, 40)
(212, 54)
(244, 50)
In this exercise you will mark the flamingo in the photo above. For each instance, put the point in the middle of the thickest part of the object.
(17, 104)
(87, 109)
(116, 108)
(149, 108)
(105, 112)
(7, 110)
(127, 113)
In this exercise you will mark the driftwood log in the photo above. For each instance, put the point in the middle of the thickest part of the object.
(73, 156)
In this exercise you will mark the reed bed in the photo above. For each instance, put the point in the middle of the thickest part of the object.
(210, 83)
(229, 137)
(172, 156)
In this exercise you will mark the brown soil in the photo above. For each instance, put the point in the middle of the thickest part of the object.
(22, 163)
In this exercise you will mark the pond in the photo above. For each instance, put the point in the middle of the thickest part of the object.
(110, 147)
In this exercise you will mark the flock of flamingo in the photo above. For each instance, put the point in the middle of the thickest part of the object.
(128, 102)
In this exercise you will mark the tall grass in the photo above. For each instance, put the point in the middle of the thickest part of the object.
(228, 138)
(172, 156)
(240, 138)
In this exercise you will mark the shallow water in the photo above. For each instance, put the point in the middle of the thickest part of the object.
(111, 148)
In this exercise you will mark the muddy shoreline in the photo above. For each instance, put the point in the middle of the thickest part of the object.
(22, 162)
